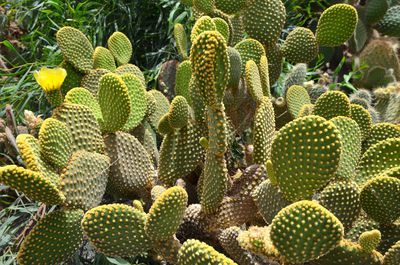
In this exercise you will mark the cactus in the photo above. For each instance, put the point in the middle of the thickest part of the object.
(160, 106)
(131, 168)
(324, 231)
(342, 199)
(250, 49)
(137, 98)
(76, 48)
(235, 67)
(228, 240)
(380, 132)
(54, 239)
(33, 184)
(84, 180)
(370, 240)
(306, 110)
(264, 75)
(230, 7)
(392, 256)
(205, 23)
(253, 81)
(389, 24)
(178, 113)
(166, 213)
(255, 15)
(380, 199)
(205, 6)
(351, 146)
(114, 102)
(332, 104)
(73, 78)
(375, 11)
(222, 27)
(196, 252)
(300, 46)
(336, 25)
(363, 119)
(102, 58)
(91, 80)
(120, 47)
(296, 76)
(131, 69)
(361, 225)
(237, 28)
(296, 98)
(274, 55)
(300, 182)
(264, 131)
(118, 223)
(182, 81)
(181, 40)
(378, 158)
(316, 91)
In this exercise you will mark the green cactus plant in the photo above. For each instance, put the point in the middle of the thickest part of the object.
(120, 47)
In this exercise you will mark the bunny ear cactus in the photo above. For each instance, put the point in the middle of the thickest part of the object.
(178, 113)
(380, 132)
(118, 223)
(296, 98)
(392, 256)
(317, 147)
(120, 47)
(76, 48)
(181, 40)
(182, 81)
(363, 119)
(296, 76)
(73, 78)
(274, 55)
(370, 240)
(205, 23)
(336, 25)
(332, 104)
(102, 58)
(222, 27)
(324, 231)
(255, 16)
(390, 23)
(228, 240)
(196, 252)
(205, 6)
(250, 49)
(54, 239)
(131, 69)
(91, 81)
(230, 7)
(300, 46)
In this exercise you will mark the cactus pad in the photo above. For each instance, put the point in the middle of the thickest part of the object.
(118, 223)
(305, 161)
(336, 25)
(363, 119)
(296, 98)
(253, 81)
(369, 240)
(76, 48)
(120, 47)
(250, 49)
(332, 104)
(297, 244)
(161, 107)
(91, 80)
(182, 80)
(131, 69)
(53, 240)
(73, 78)
(181, 40)
(55, 141)
(114, 102)
(390, 23)
(178, 112)
(84, 180)
(103, 59)
(230, 7)
(300, 46)
(166, 213)
(33, 184)
(380, 132)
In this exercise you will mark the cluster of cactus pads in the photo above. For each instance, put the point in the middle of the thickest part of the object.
(322, 182)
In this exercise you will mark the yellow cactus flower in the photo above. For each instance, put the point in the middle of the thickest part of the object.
(50, 79)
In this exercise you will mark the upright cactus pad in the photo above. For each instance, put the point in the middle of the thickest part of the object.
(84, 180)
(166, 213)
(181, 40)
(84, 128)
(34, 160)
(114, 102)
(196, 252)
(103, 59)
(120, 47)
(228, 240)
(250, 49)
(304, 231)
(205, 23)
(180, 153)
(253, 81)
(363, 119)
(214, 184)
(163, 125)
(161, 107)
(296, 98)
(55, 141)
(222, 27)
(82, 96)
(380, 199)
(73, 78)
(336, 25)
(370, 240)
(210, 66)
(351, 146)
(306, 110)
(217, 131)
(178, 112)
(137, 98)
(182, 80)
(392, 256)
(122, 225)
(131, 168)
(378, 158)
(255, 16)
(264, 131)
(380, 132)
(342, 199)
(205, 6)
(274, 55)
(54, 239)
(33, 184)
(305, 161)
(296, 76)
(375, 10)
(300, 46)
(264, 75)
(76, 48)
(332, 104)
